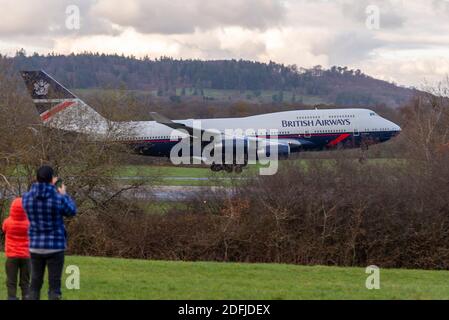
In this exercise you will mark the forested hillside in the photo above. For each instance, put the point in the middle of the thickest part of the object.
(218, 80)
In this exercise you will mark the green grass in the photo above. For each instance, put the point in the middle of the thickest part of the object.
(181, 176)
(185, 176)
(162, 171)
(103, 278)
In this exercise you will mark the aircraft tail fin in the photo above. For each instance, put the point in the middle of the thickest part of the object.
(49, 96)
(58, 107)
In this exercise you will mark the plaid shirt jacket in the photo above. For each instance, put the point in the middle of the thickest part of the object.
(45, 209)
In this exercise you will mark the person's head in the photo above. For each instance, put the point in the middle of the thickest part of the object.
(45, 174)
(17, 212)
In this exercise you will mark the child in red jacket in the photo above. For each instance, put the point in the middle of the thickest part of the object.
(17, 250)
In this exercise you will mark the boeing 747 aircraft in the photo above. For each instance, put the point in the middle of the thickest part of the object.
(296, 131)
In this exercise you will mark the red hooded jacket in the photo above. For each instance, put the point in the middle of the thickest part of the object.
(15, 227)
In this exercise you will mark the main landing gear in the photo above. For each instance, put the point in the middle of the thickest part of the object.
(229, 168)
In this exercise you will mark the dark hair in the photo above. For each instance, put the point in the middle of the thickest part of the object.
(45, 174)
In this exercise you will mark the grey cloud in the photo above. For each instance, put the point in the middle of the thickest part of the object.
(441, 6)
(21, 18)
(47, 18)
(181, 17)
(348, 48)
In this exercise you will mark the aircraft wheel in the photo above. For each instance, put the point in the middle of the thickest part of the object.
(228, 168)
(216, 167)
(238, 169)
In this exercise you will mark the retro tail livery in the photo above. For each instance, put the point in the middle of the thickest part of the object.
(60, 108)
(296, 131)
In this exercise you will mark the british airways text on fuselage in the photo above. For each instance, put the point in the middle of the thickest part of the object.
(315, 123)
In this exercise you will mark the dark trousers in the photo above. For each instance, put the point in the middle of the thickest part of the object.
(54, 263)
(17, 267)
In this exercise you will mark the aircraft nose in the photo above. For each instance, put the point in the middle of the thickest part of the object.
(396, 130)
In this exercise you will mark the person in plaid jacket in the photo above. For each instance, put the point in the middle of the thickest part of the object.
(45, 206)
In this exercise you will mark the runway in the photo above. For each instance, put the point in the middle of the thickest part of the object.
(176, 193)
(160, 192)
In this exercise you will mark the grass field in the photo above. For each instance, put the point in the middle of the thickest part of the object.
(168, 175)
(204, 171)
(203, 176)
(104, 278)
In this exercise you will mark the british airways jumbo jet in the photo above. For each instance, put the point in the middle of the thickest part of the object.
(297, 131)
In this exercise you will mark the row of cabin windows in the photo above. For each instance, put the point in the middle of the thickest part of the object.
(335, 131)
(308, 117)
(330, 131)
(379, 129)
(315, 131)
(343, 116)
(147, 138)
(330, 117)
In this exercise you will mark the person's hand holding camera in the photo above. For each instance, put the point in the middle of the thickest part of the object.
(62, 189)
(60, 186)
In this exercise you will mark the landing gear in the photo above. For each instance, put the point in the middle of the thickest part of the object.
(229, 168)
(216, 167)
(238, 169)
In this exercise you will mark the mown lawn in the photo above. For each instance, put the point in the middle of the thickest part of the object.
(203, 176)
(104, 278)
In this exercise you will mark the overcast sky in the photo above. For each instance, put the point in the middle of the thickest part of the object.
(406, 41)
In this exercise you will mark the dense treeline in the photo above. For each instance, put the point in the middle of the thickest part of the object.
(172, 78)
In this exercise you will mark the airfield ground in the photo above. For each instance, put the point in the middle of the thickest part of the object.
(169, 175)
(105, 278)
(203, 176)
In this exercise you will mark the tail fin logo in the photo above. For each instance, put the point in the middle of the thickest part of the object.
(41, 88)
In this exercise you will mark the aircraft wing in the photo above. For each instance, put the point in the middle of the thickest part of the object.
(179, 126)
(293, 143)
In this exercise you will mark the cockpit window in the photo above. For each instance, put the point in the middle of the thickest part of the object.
(372, 114)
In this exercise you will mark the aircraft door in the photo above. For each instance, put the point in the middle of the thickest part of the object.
(355, 137)
(307, 134)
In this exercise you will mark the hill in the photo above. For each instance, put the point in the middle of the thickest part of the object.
(223, 80)
(103, 278)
